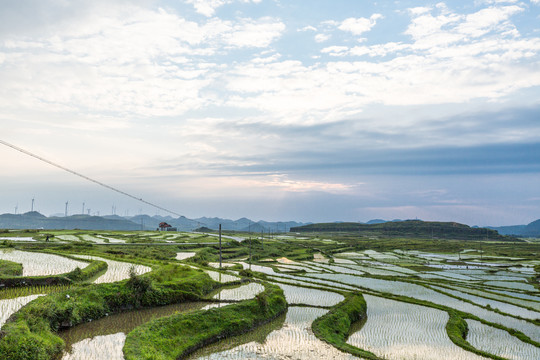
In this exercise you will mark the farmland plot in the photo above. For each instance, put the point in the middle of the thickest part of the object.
(68, 237)
(243, 292)
(184, 255)
(301, 295)
(9, 306)
(397, 330)
(504, 307)
(509, 298)
(36, 264)
(99, 239)
(104, 338)
(13, 238)
(511, 285)
(499, 342)
(294, 340)
(220, 277)
(422, 293)
(519, 295)
(116, 270)
(100, 347)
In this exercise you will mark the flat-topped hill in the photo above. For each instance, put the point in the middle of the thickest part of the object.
(409, 228)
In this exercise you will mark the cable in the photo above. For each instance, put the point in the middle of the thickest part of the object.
(86, 177)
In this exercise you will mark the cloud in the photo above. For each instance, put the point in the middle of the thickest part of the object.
(308, 28)
(208, 7)
(322, 37)
(250, 33)
(358, 26)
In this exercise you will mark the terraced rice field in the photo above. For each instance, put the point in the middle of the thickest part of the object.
(116, 270)
(397, 330)
(243, 292)
(293, 340)
(499, 342)
(314, 297)
(38, 264)
(9, 306)
(394, 329)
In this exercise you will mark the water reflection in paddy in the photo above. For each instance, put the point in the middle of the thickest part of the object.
(293, 340)
(92, 340)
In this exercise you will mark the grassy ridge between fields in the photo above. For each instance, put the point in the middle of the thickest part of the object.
(10, 268)
(30, 333)
(334, 326)
(176, 336)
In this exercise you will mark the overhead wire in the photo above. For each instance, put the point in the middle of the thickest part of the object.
(86, 177)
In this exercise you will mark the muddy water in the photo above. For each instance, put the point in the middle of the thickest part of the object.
(88, 341)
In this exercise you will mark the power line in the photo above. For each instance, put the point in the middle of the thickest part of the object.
(86, 177)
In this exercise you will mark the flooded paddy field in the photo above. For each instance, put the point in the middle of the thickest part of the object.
(39, 264)
(104, 338)
(292, 340)
(409, 293)
(406, 331)
(116, 270)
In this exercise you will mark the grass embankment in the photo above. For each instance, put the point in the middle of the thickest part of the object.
(30, 333)
(334, 327)
(457, 330)
(177, 336)
(77, 275)
(10, 268)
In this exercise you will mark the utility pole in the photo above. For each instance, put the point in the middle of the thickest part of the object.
(66, 208)
(220, 246)
(250, 245)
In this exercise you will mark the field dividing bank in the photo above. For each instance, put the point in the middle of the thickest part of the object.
(179, 335)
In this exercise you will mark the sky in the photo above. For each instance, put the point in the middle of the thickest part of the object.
(306, 110)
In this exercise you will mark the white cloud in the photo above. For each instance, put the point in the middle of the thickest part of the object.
(308, 28)
(322, 37)
(358, 26)
(254, 33)
(208, 7)
(134, 61)
(486, 20)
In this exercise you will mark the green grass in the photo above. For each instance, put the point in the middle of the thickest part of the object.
(10, 268)
(334, 327)
(176, 336)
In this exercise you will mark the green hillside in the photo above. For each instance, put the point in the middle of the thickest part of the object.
(409, 228)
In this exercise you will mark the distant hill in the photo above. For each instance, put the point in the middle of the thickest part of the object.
(530, 230)
(35, 220)
(409, 228)
(376, 221)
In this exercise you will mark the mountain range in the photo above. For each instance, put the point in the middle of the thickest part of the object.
(529, 230)
(35, 220)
